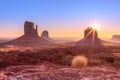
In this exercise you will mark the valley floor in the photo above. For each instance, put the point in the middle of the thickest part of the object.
(49, 71)
(55, 64)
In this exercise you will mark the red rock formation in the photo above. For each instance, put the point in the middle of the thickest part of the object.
(45, 34)
(90, 33)
(90, 38)
(29, 29)
(30, 37)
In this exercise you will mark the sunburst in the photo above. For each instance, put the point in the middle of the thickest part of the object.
(95, 26)
(91, 32)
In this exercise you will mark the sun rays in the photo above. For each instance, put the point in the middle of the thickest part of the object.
(95, 26)
(91, 34)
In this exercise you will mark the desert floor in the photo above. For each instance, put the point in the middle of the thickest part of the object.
(55, 63)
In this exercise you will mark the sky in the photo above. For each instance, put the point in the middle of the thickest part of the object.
(62, 18)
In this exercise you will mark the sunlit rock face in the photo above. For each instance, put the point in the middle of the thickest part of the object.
(90, 38)
(116, 37)
(30, 37)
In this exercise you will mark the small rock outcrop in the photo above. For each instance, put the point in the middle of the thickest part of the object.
(116, 37)
(90, 38)
(45, 35)
(30, 37)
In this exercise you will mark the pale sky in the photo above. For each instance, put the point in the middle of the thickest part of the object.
(62, 18)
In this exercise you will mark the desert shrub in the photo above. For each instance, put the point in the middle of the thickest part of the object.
(110, 60)
(79, 61)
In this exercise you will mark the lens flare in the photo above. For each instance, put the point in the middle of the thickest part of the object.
(95, 26)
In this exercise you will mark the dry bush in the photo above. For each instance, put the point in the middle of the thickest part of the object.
(79, 61)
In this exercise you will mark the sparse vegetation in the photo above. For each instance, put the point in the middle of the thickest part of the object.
(102, 60)
(79, 61)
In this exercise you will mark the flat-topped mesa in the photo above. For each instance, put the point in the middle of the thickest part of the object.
(116, 37)
(45, 34)
(90, 38)
(29, 29)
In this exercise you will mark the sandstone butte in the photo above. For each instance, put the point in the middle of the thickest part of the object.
(30, 37)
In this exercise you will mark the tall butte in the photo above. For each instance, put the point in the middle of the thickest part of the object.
(90, 38)
(29, 29)
(30, 37)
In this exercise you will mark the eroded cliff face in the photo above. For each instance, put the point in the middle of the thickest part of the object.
(90, 38)
(29, 29)
(30, 37)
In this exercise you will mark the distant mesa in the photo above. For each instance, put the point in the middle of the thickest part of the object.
(90, 38)
(116, 37)
(30, 37)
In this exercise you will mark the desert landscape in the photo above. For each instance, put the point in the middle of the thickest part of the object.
(59, 40)
(31, 57)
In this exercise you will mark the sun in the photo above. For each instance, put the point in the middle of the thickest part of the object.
(95, 26)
